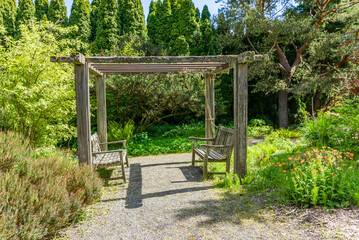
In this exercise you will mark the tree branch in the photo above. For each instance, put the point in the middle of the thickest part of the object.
(255, 50)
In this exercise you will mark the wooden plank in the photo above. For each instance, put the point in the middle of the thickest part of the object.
(76, 58)
(210, 106)
(240, 119)
(83, 112)
(163, 59)
(248, 57)
(101, 111)
(95, 72)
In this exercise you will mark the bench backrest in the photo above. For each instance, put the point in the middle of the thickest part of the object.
(224, 136)
(95, 142)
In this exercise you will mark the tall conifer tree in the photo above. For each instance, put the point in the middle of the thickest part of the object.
(206, 15)
(80, 16)
(152, 21)
(8, 9)
(131, 18)
(41, 9)
(107, 29)
(25, 12)
(95, 4)
(57, 11)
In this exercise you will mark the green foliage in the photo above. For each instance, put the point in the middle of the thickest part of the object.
(117, 132)
(283, 133)
(131, 18)
(148, 100)
(40, 195)
(165, 139)
(338, 129)
(95, 4)
(38, 97)
(314, 176)
(230, 181)
(8, 10)
(206, 15)
(180, 47)
(57, 11)
(13, 148)
(80, 16)
(106, 26)
(41, 9)
(25, 12)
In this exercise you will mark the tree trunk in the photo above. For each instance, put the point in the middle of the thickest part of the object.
(283, 108)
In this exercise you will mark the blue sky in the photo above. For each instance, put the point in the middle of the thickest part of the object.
(213, 7)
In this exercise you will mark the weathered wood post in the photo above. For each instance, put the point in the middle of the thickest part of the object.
(240, 118)
(101, 110)
(210, 106)
(83, 110)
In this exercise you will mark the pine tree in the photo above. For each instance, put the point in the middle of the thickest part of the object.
(41, 9)
(57, 11)
(8, 9)
(152, 21)
(80, 16)
(107, 29)
(131, 18)
(185, 23)
(94, 18)
(206, 15)
(165, 23)
(25, 12)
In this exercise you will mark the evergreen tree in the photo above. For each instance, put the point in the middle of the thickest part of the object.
(185, 23)
(41, 9)
(107, 29)
(94, 18)
(25, 12)
(152, 23)
(198, 15)
(131, 18)
(8, 10)
(57, 11)
(164, 23)
(180, 47)
(80, 16)
(206, 15)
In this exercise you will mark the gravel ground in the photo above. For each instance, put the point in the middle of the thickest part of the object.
(166, 198)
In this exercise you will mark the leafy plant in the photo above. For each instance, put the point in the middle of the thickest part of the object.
(39, 194)
(117, 132)
(337, 129)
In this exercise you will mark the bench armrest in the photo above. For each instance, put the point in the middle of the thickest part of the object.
(200, 139)
(121, 141)
(215, 146)
(112, 151)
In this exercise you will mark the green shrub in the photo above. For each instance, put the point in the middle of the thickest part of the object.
(117, 132)
(39, 195)
(282, 133)
(186, 130)
(339, 129)
(313, 176)
(13, 148)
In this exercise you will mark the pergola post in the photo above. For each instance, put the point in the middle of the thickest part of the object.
(83, 112)
(210, 106)
(101, 110)
(240, 118)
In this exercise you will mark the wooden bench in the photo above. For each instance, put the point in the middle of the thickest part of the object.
(217, 149)
(109, 158)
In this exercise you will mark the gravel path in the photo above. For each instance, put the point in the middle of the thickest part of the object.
(167, 199)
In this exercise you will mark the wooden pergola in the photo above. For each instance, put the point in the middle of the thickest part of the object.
(210, 65)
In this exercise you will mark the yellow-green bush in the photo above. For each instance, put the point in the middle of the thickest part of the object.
(40, 195)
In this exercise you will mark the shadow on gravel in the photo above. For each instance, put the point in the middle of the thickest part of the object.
(232, 208)
(134, 190)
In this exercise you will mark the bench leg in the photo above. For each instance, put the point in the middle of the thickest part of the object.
(228, 165)
(127, 160)
(205, 167)
(123, 168)
(193, 157)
